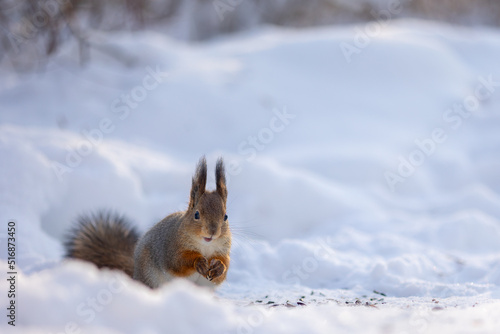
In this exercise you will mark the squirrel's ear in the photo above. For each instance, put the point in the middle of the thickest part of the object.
(220, 179)
(199, 182)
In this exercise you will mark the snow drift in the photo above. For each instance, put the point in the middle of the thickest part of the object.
(361, 178)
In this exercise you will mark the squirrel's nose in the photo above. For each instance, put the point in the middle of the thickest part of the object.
(212, 229)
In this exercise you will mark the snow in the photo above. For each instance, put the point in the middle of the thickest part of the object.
(309, 136)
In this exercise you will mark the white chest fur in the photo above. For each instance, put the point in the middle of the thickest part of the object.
(208, 249)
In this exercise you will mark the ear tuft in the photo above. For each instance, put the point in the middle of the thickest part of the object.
(199, 182)
(220, 179)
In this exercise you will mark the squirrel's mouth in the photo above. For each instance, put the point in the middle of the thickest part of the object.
(207, 239)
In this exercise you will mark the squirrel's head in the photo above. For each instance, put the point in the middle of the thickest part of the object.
(206, 214)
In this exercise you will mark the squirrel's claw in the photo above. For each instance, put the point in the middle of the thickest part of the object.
(201, 266)
(216, 269)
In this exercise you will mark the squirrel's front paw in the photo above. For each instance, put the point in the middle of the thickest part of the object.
(201, 266)
(216, 269)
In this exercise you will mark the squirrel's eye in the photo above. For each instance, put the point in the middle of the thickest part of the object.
(225, 217)
(197, 215)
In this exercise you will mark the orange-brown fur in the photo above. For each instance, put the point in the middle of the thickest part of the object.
(186, 264)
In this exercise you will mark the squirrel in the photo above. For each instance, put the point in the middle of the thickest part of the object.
(194, 244)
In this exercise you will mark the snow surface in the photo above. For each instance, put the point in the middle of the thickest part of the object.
(309, 137)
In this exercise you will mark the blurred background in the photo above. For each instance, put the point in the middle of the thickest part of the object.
(33, 30)
(337, 102)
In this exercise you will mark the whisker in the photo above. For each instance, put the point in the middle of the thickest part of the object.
(246, 230)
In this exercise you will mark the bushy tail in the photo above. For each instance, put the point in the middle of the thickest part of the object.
(105, 239)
